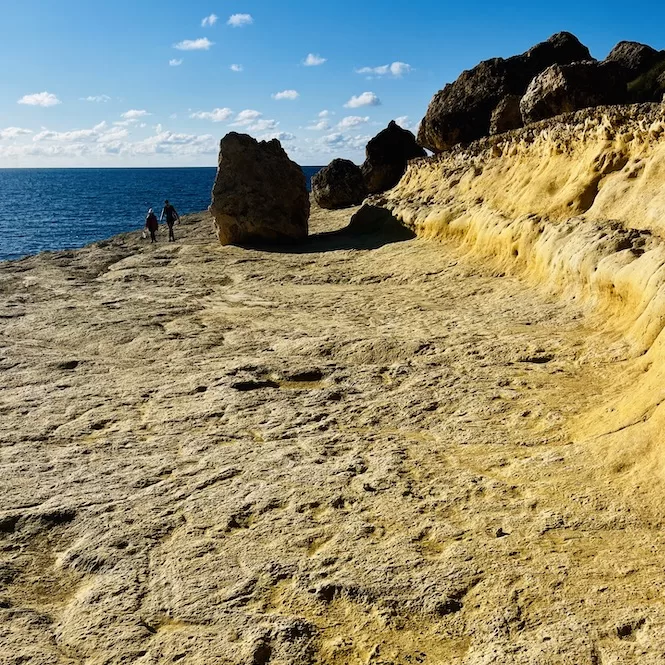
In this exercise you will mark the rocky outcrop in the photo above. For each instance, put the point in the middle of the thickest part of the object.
(387, 155)
(462, 111)
(339, 185)
(567, 88)
(259, 194)
(634, 58)
(506, 115)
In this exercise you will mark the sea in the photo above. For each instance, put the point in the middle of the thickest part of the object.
(51, 209)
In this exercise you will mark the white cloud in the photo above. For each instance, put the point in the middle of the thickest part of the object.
(337, 141)
(209, 21)
(351, 121)
(286, 94)
(246, 117)
(366, 99)
(396, 69)
(320, 126)
(99, 99)
(202, 44)
(135, 114)
(158, 128)
(175, 62)
(238, 20)
(403, 121)
(236, 68)
(216, 115)
(173, 116)
(284, 137)
(325, 114)
(100, 133)
(13, 132)
(40, 99)
(313, 60)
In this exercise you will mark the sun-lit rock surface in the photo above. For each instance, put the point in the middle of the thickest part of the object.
(361, 449)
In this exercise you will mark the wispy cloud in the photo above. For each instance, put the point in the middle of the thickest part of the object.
(216, 115)
(202, 44)
(246, 117)
(325, 113)
(135, 114)
(14, 132)
(239, 20)
(284, 137)
(100, 133)
(40, 99)
(396, 70)
(236, 68)
(320, 126)
(313, 60)
(366, 99)
(338, 141)
(286, 94)
(253, 121)
(209, 21)
(403, 121)
(175, 62)
(99, 99)
(351, 121)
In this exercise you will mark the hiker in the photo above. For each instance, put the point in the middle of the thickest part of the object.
(152, 225)
(171, 215)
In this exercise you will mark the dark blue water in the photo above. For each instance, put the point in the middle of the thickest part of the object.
(48, 209)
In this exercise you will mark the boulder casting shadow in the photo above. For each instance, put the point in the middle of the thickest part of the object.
(369, 228)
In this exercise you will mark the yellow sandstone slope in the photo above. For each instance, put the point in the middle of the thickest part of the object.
(575, 204)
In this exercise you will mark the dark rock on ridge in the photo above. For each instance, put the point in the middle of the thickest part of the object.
(506, 115)
(567, 88)
(461, 112)
(259, 193)
(386, 157)
(339, 185)
(634, 58)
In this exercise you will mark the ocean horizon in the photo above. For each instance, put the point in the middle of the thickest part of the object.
(47, 209)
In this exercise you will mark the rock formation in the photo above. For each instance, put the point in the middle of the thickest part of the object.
(259, 193)
(462, 111)
(506, 115)
(634, 58)
(339, 185)
(567, 88)
(387, 155)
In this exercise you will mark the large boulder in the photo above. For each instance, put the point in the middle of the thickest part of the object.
(634, 58)
(387, 155)
(567, 88)
(462, 111)
(339, 185)
(259, 194)
(506, 115)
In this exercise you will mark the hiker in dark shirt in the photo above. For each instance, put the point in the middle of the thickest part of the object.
(171, 215)
(152, 225)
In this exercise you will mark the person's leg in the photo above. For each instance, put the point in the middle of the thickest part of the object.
(153, 237)
(171, 234)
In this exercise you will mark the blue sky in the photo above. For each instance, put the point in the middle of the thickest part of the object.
(146, 83)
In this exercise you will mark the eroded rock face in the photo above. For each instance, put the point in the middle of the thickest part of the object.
(567, 88)
(259, 194)
(506, 115)
(461, 112)
(387, 155)
(634, 58)
(339, 185)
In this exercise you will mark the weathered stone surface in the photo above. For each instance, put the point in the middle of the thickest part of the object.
(567, 88)
(259, 193)
(634, 58)
(506, 115)
(461, 112)
(387, 155)
(339, 185)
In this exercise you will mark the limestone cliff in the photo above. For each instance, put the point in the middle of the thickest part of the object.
(575, 204)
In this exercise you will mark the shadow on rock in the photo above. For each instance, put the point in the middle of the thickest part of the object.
(370, 228)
